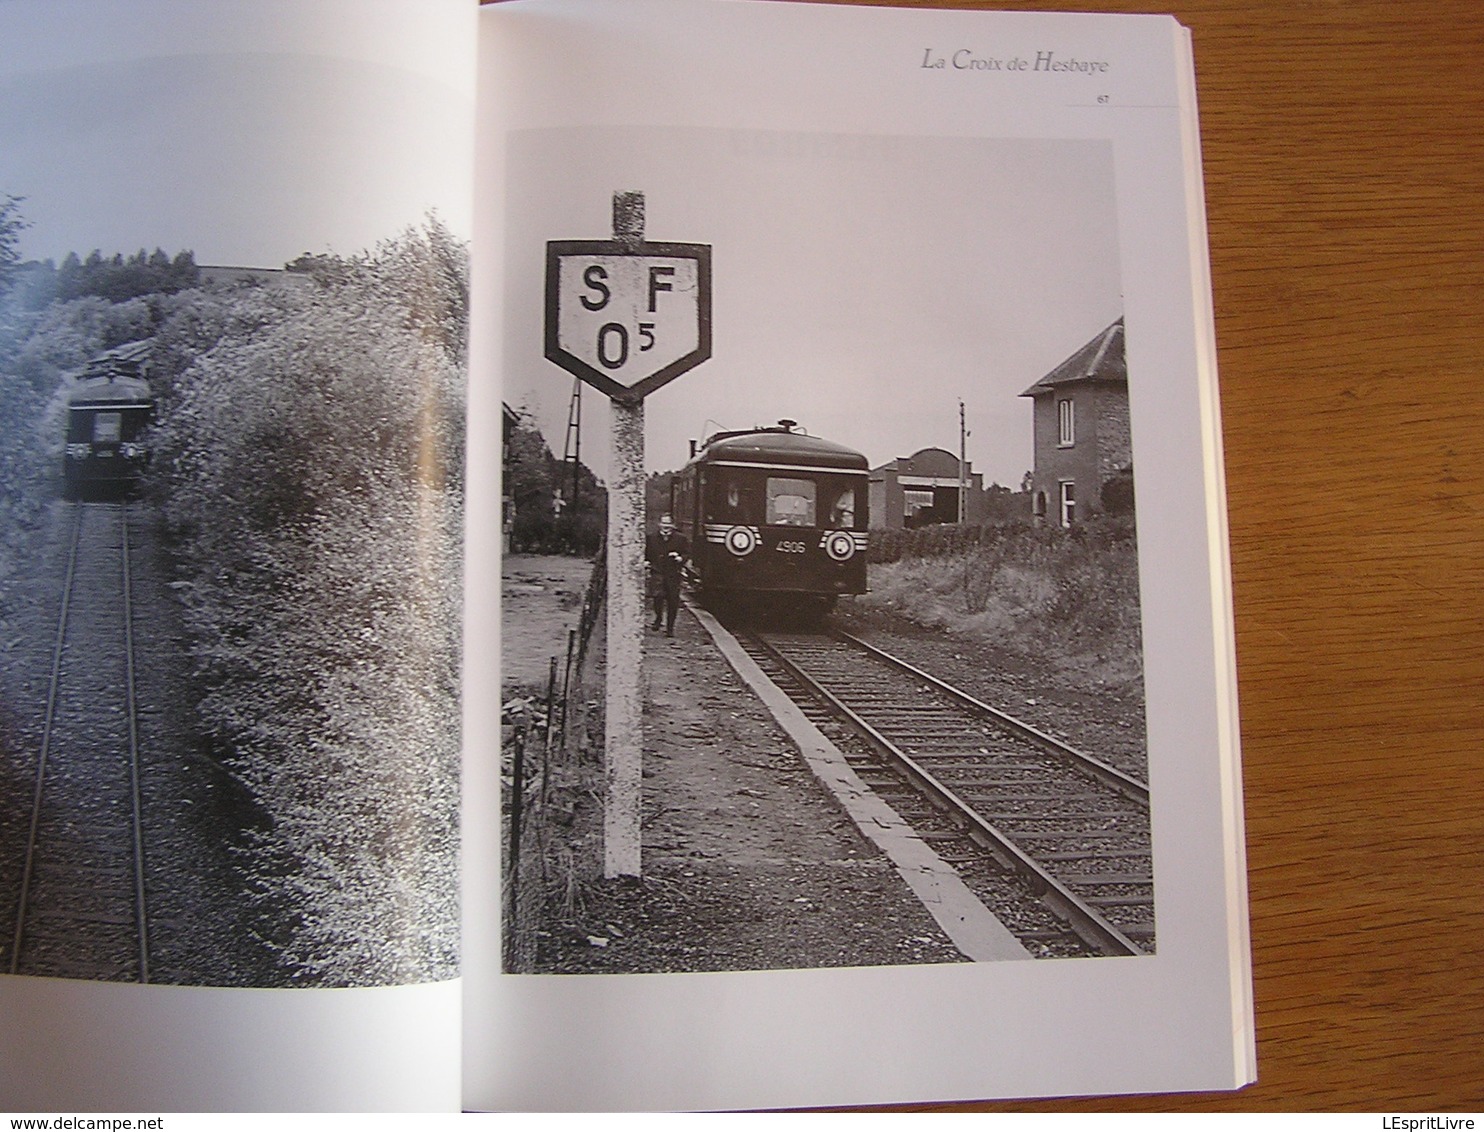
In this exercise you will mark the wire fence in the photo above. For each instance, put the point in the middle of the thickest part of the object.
(549, 742)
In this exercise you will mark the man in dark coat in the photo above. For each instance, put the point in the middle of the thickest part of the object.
(666, 553)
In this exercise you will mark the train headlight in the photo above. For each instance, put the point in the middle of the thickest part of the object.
(741, 541)
(839, 545)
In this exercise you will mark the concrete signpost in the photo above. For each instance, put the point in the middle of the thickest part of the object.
(626, 316)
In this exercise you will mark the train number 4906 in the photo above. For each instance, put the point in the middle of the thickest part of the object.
(787, 547)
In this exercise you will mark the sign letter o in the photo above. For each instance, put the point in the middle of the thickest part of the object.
(613, 328)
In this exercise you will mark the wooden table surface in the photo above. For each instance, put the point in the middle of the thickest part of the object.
(1343, 143)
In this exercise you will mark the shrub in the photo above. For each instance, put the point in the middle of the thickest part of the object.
(312, 451)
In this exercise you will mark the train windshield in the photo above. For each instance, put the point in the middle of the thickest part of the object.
(790, 502)
(107, 427)
(829, 501)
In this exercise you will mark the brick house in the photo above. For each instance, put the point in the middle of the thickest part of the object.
(1081, 430)
(913, 491)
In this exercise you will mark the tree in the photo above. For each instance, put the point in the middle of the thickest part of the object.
(12, 224)
(1001, 505)
(183, 271)
(657, 496)
(119, 279)
(324, 268)
(537, 478)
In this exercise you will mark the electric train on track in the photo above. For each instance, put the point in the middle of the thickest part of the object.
(776, 520)
(108, 410)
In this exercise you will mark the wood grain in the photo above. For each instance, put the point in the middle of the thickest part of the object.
(1343, 143)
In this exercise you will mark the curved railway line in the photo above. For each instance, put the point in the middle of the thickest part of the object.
(82, 909)
(1073, 830)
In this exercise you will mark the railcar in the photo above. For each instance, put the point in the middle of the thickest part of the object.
(776, 520)
(109, 409)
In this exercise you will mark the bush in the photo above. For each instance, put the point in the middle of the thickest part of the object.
(309, 460)
(312, 453)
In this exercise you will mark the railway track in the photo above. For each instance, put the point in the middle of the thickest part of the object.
(1073, 830)
(82, 908)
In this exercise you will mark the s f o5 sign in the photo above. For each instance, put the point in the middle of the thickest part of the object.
(627, 317)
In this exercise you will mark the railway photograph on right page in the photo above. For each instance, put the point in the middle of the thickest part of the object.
(891, 663)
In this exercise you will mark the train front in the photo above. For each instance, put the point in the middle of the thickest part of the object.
(106, 422)
(779, 517)
(109, 410)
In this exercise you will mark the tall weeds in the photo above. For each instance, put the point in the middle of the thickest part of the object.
(1069, 595)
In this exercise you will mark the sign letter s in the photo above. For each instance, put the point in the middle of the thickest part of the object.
(593, 277)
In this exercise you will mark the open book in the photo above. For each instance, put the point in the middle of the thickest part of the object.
(799, 701)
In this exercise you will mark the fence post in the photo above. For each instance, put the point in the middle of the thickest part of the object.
(517, 800)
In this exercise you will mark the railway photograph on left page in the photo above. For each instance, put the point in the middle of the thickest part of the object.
(233, 324)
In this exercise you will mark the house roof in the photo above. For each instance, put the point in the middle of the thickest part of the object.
(924, 462)
(1100, 360)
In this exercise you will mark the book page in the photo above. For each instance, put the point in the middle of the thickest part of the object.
(233, 301)
(953, 297)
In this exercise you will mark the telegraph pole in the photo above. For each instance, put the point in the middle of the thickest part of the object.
(963, 475)
(572, 448)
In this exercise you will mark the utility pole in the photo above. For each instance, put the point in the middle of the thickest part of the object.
(963, 476)
(624, 699)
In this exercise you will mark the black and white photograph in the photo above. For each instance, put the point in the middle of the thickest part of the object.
(233, 321)
(891, 692)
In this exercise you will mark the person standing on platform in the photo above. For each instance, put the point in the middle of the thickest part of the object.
(666, 553)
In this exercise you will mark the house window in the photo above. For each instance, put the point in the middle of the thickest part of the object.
(1068, 503)
(1066, 421)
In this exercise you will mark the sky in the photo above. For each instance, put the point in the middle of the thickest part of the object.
(861, 285)
(245, 132)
